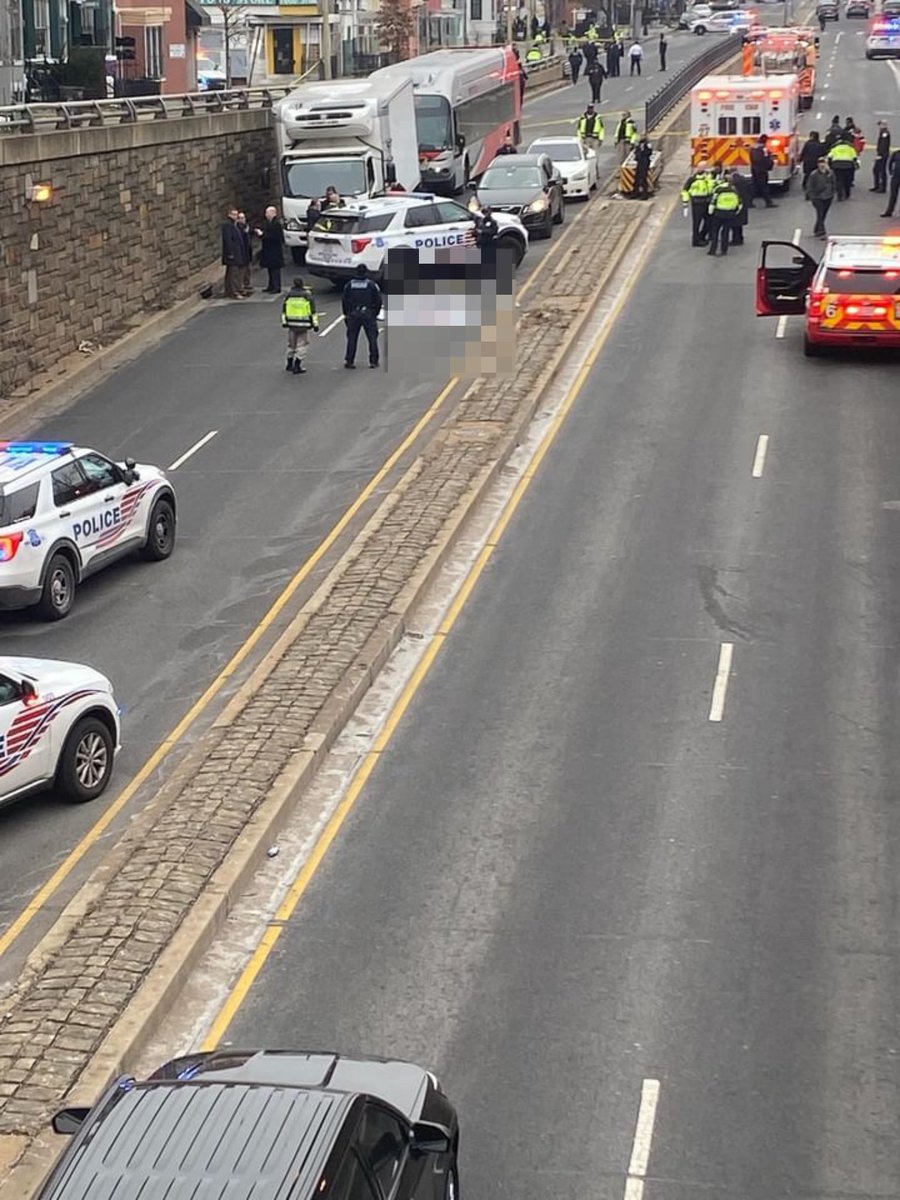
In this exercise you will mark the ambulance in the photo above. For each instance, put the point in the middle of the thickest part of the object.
(730, 112)
(787, 52)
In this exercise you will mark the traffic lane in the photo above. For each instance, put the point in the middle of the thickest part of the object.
(290, 456)
(590, 882)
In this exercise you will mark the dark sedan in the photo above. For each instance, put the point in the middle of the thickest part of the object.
(527, 186)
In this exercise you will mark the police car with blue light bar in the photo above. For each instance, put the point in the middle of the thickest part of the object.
(884, 37)
(66, 512)
(361, 235)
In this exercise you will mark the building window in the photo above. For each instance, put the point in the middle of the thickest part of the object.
(41, 28)
(476, 10)
(153, 52)
(283, 43)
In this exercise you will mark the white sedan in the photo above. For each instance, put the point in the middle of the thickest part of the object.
(576, 163)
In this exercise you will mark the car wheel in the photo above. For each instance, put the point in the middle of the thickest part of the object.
(298, 254)
(160, 531)
(58, 594)
(810, 349)
(515, 245)
(700, 30)
(561, 215)
(86, 762)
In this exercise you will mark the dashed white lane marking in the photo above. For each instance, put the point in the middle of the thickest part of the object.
(208, 437)
(325, 332)
(643, 1139)
(759, 459)
(781, 326)
(838, 38)
(818, 116)
(720, 687)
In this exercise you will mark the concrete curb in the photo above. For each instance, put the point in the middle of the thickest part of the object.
(145, 1013)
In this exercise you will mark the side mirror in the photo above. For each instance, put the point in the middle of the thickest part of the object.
(430, 1139)
(129, 474)
(69, 1120)
(29, 691)
(460, 142)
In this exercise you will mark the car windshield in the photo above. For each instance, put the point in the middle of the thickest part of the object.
(433, 124)
(306, 178)
(562, 151)
(863, 283)
(510, 175)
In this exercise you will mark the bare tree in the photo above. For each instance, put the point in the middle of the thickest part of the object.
(234, 21)
(395, 25)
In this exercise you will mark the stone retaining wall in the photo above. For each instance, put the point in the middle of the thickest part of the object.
(134, 217)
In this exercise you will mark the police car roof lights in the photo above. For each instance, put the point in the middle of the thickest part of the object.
(35, 447)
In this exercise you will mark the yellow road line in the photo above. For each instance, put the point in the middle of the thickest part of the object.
(96, 831)
(288, 906)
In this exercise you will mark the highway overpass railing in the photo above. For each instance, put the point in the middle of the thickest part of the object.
(52, 116)
(663, 101)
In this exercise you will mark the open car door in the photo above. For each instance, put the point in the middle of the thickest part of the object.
(783, 277)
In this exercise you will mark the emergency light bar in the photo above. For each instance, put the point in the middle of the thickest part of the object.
(35, 447)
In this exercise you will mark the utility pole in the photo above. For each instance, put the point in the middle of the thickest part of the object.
(326, 38)
(509, 22)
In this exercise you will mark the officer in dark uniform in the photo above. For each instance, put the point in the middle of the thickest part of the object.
(361, 304)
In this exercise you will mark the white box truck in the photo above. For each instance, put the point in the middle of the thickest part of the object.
(358, 135)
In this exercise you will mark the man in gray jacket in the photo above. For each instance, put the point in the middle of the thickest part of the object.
(820, 189)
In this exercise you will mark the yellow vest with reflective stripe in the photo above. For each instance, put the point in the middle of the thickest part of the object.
(842, 152)
(297, 310)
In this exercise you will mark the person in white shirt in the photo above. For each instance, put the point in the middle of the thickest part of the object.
(635, 55)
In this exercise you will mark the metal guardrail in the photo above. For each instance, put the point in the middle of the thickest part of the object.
(49, 116)
(52, 116)
(682, 81)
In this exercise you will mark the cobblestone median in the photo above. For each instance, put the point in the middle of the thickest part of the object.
(58, 1017)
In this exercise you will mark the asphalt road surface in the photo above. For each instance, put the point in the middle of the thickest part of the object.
(580, 866)
(287, 459)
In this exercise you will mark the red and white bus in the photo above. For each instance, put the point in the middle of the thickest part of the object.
(467, 102)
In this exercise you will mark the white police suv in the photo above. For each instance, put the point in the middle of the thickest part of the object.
(59, 727)
(67, 512)
(361, 234)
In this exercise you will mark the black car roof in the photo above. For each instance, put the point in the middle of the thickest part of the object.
(228, 1125)
(221, 1141)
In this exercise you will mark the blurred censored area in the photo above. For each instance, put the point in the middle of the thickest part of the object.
(454, 303)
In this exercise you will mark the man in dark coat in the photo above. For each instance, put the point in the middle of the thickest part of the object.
(643, 156)
(894, 178)
(812, 151)
(271, 255)
(612, 59)
(575, 61)
(882, 154)
(761, 163)
(595, 76)
(246, 284)
(232, 255)
(743, 185)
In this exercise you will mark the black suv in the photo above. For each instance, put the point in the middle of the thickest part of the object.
(264, 1125)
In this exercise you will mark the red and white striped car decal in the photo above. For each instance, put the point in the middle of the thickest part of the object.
(31, 725)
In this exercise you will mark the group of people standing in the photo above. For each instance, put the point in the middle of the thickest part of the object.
(237, 252)
(830, 164)
(718, 202)
(586, 56)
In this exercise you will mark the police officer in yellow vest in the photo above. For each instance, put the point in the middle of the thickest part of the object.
(843, 160)
(696, 192)
(724, 212)
(298, 316)
(590, 128)
(534, 55)
(626, 136)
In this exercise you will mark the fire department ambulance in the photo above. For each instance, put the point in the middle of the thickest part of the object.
(787, 52)
(729, 112)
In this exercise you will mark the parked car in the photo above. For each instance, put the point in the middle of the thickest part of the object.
(858, 8)
(575, 162)
(694, 13)
(527, 186)
(828, 9)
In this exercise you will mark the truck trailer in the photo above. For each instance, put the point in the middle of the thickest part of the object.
(358, 135)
